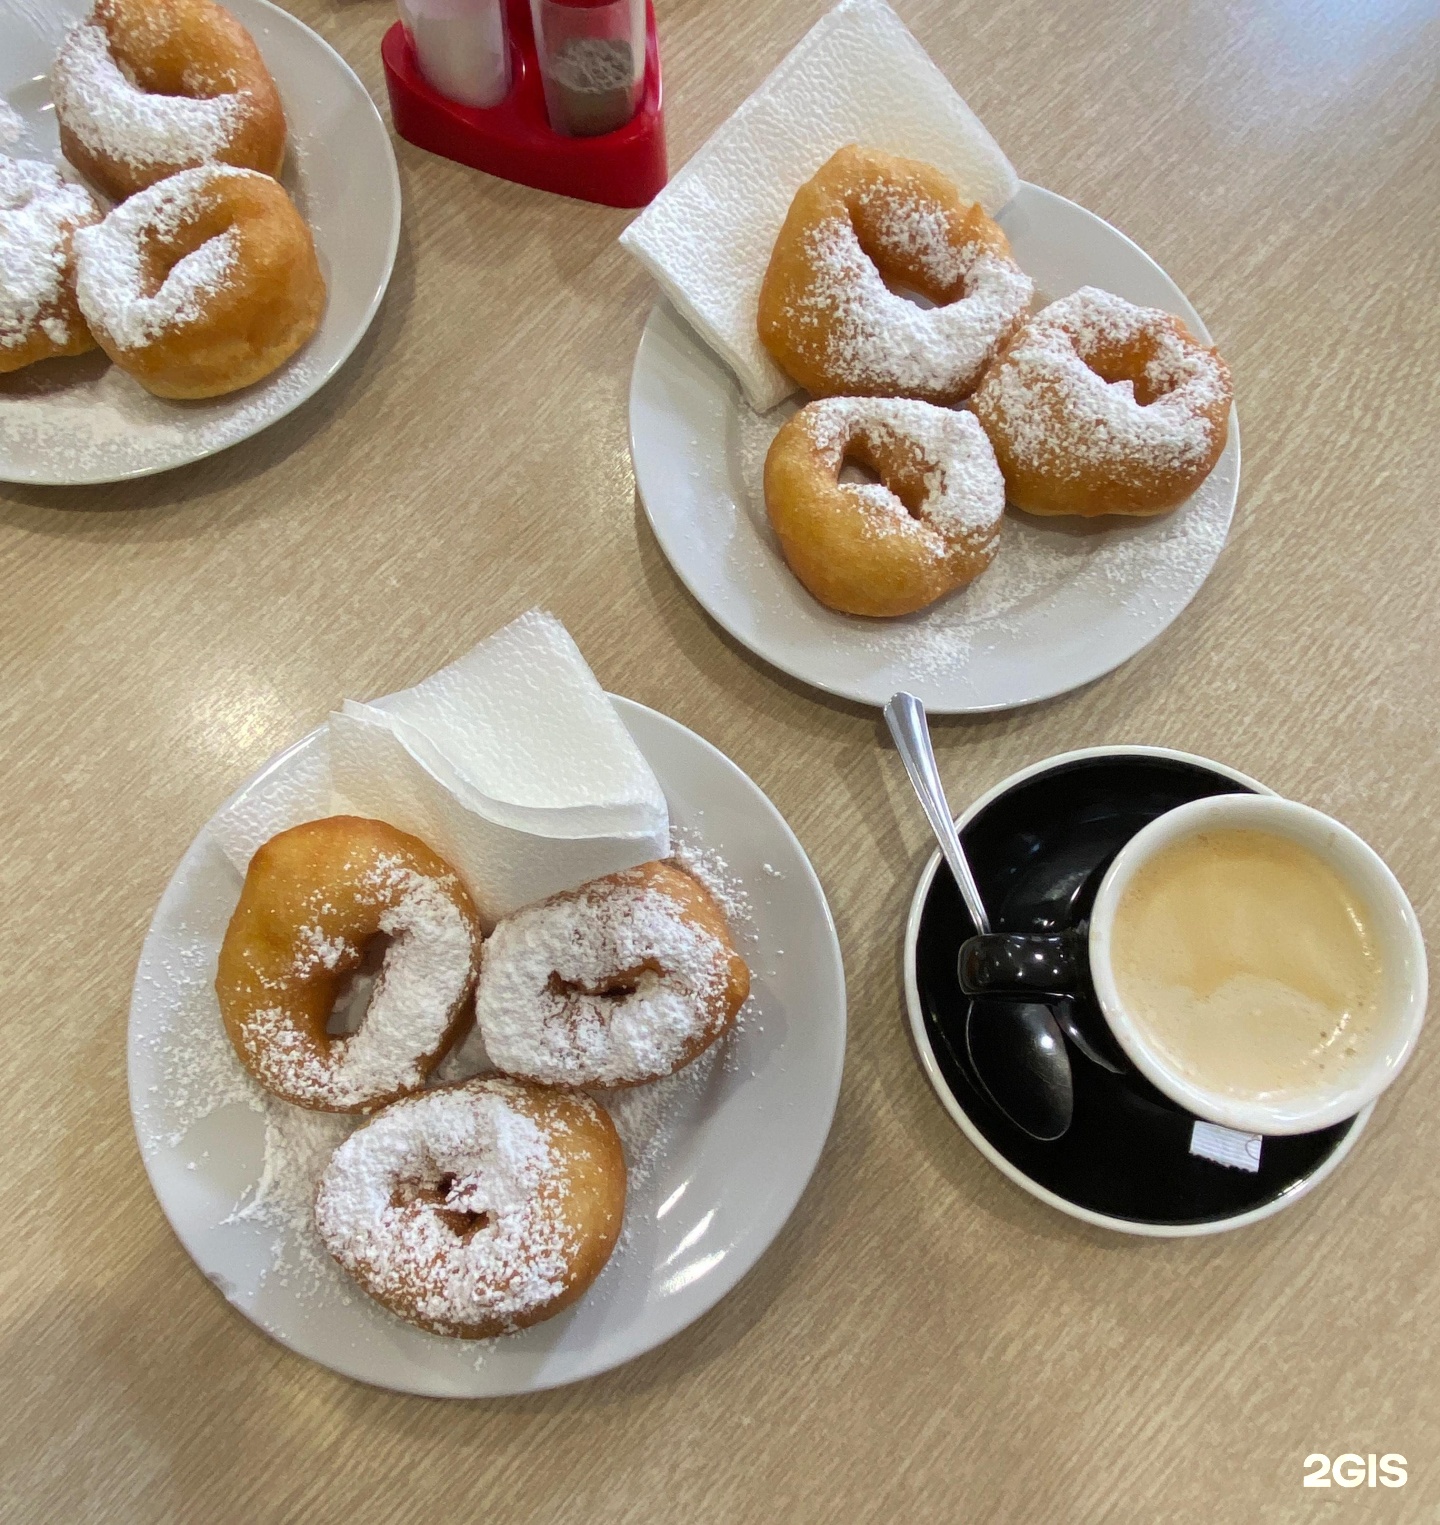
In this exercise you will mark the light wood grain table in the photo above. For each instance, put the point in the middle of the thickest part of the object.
(923, 1342)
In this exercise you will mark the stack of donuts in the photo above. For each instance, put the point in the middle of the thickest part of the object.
(961, 399)
(479, 1207)
(203, 277)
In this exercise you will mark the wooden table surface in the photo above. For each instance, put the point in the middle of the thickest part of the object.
(923, 1341)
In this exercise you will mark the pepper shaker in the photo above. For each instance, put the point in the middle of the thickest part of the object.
(592, 62)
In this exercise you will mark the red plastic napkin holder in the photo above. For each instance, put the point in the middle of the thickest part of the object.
(515, 141)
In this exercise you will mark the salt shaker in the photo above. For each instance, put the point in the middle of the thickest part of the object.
(592, 62)
(461, 47)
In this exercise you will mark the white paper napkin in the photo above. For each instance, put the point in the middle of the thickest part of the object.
(511, 763)
(291, 792)
(856, 77)
(1240, 1151)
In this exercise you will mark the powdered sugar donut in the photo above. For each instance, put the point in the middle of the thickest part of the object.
(1100, 407)
(202, 284)
(621, 981)
(316, 899)
(145, 88)
(866, 219)
(39, 213)
(929, 526)
(476, 1209)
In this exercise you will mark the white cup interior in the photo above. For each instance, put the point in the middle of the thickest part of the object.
(1402, 956)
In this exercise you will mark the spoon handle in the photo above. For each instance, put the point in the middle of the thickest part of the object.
(905, 715)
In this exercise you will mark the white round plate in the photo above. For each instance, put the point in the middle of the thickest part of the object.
(733, 1140)
(80, 420)
(1064, 601)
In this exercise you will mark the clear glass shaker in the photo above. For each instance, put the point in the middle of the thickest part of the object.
(592, 62)
(461, 47)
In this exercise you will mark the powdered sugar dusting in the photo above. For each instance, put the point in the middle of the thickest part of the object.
(706, 866)
(101, 425)
(83, 420)
(110, 261)
(258, 1160)
(202, 1076)
(427, 970)
(644, 1116)
(12, 126)
(1144, 562)
(314, 950)
(37, 211)
(479, 1154)
(298, 1145)
(880, 341)
(199, 1073)
(964, 491)
(545, 1005)
(102, 105)
(1059, 413)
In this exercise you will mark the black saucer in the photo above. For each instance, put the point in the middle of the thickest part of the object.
(1038, 850)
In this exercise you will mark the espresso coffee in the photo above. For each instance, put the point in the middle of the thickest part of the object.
(1248, 962)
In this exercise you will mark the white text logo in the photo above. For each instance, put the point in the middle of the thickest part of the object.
(1351, 1471)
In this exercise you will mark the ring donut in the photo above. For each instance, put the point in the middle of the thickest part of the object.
(621, 981)
(868, 221)
(930, 525)
(202, 284)
(1097, 406)
(316, 899)
(145, 88)
(39, 213)
(476, 1209)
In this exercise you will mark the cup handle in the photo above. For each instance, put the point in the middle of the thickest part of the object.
(1024, 964)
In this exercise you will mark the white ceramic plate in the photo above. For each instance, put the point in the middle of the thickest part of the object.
(1064, 601)
(732, 1141)
(74, 421)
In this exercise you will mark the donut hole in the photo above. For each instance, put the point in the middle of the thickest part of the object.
(899, 287)
(613, 988)
(856, 473)
(161, 251)
(354, 992)
(906, 279)
(158, 257)
(864, 462)
(186, 61)
(909, 246)
(464, 1222)
(188, 83)
(1116, 365)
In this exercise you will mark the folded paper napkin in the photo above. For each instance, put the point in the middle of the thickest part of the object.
(511, 763)
(856, 77)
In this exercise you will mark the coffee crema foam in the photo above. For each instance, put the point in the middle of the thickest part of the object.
(1249, 963)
